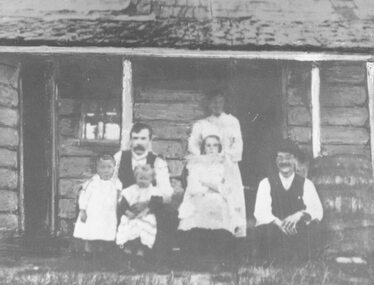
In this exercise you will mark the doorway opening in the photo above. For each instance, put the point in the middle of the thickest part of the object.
(37, 152)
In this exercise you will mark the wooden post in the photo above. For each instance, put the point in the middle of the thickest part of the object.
(370, 85)
(316, 112)
(285, 75)
(21, 160)
(52, 92)
(127, 103)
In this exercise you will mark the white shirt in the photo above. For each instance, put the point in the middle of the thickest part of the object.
(263, 211)
(161, 173)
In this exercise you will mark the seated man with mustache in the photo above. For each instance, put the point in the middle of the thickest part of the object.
(287, 209)
(140, 154)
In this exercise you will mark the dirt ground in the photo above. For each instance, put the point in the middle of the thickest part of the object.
(45, 266)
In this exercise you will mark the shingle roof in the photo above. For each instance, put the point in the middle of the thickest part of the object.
(268, 24)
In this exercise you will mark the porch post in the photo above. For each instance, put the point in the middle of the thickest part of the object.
(316, 112)
(370, 85)
(127, 103)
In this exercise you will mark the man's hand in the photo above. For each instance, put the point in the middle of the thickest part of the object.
(290, 223)
(279, 224)
(130, 214)
(83, 215)
(139, 207)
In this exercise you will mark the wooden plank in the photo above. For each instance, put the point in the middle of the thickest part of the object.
(8, 96)
(344, 135)
(8, 222)
(9, 137)
(169, 130)
(354, 149)
(342, 72)
(9, 75)
(8, 158)
(76, 167)
(76, 150)
(8, 117)
(355, 116)
(127, 103)
(166, 95)
(68, 106)
(69, 188)
(69, 127)
(339, 116)
(316, 111)
(342, 95)
(67, 208)
(186, 53)
(169, 149)
(8, 201)
(169, 112)
(9, 179)
(370, 86)
(300, 134)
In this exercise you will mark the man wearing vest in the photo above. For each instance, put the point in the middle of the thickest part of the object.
(140, 154)
(287, 209)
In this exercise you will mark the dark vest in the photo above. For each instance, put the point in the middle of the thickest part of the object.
(286, 202)
(125, 172)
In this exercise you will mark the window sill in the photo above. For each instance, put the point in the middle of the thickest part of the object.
(106, 143)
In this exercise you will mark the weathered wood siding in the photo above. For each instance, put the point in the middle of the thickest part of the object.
(80, 79)
(169, 95)
(297, 106)
(343, 174)
(344, 109)
(9, 146)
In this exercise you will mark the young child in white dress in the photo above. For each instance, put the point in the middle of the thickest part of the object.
(138, 228)
(97, 220)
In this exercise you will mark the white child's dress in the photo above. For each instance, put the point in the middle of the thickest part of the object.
(99, 198)
(207, 200)
(144, 225)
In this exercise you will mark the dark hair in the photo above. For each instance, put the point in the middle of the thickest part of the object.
(202, 148)
(137, 127)
(288, 146)
(105, 157)
(215, 93)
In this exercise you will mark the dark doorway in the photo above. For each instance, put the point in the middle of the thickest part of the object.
(37, 147)
(257, 89)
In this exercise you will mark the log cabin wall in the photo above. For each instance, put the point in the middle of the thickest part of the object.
(9, 146)
(342, 174)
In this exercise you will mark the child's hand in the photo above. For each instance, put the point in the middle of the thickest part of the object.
(83, 215)
(139, 207)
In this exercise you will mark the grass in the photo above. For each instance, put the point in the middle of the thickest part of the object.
(312, 272)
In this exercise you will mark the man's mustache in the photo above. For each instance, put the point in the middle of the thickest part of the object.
(285, 165)
(139, 147)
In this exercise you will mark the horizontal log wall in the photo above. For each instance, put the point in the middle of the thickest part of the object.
(297, 106)
(96, 78)
(344, 109)
(343, 174)
(9, 146)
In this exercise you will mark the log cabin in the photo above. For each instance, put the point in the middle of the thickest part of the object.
(75, 76)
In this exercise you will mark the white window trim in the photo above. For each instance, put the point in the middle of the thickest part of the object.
(316, 110)
(127, 103)
(370, 86)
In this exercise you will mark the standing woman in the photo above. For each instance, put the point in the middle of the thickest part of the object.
(227, 128)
